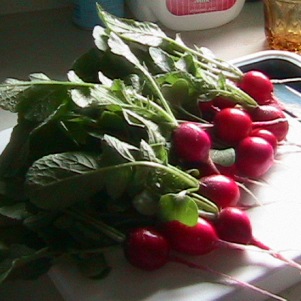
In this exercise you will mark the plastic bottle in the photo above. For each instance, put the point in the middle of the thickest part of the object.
(184, 15)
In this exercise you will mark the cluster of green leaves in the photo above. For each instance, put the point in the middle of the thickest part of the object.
(90, 156)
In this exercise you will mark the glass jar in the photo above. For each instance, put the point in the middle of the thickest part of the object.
(283, 24)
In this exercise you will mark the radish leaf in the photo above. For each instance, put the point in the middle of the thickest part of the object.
(21, 257)
(123, 149)
(178, 207)
(120, 48)
(16, 211)
(52, 180)
(162, 59)
(224, 157)
(145, 32)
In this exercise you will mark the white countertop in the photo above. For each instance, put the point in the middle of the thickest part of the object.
(47, 41)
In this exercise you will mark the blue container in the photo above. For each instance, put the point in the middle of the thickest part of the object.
(85, 12)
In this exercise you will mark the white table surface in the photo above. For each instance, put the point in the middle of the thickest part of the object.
(48, 41)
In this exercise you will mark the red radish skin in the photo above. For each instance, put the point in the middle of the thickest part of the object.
(191, 143)
(223, 102)
(207, 110)
(197, 240)
(233, 173)
(229, 171)
(148, 249)
(258, 86)
(266, 135)
(220, 189)
(232, 125)
(231, 230)
(262, 114)
(234, 225)
(254, 157)
(206, 169)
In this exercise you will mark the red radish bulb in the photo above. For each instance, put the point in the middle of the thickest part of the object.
(223, 102)
(220, 189)
(147, 249)
(257, 85)
(262, 117)
(232, 125)
(207, 110)
(206, 169)
(266, 135)
(232, 230)
(192, 240)
(234, 225)
(254, 157)
(191, 143)
(229, 171)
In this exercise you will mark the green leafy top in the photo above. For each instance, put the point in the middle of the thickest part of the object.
(88, 150)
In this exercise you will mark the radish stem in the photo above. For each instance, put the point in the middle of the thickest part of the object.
(228, 277)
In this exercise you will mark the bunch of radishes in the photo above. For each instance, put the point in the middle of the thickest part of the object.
(254, 134)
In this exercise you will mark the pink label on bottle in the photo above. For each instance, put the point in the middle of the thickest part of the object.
(191, 7)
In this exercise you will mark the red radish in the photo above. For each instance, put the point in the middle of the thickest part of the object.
(207, 110)
(229, 171)
(206, 169)
(205, 105)
(232, 125)
(197, 240)
(272, 119)
(148, 249)
(220, 189)
(257, 85)
(223, 102)
(254, 157)
(192, 144)
(267, 135)
(233, 173)
(231, 230)
(234, 225)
